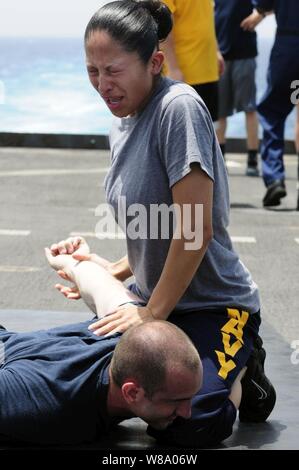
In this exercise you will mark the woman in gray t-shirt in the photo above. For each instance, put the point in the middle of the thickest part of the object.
(168, 189)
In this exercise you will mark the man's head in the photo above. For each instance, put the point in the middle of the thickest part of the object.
(158, 370)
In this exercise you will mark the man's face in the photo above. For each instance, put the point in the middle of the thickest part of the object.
(121, 78)
(173, 400)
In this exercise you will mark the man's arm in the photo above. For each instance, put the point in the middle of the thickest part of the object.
(79, 249)
(99, 289)
(253, 20)
(263, 6)
(168, 47)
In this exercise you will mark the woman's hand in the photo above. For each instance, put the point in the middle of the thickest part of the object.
(70, 246)
(119, 321)
(79, 250)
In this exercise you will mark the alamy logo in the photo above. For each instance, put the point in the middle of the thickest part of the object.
(295, 354)
(157, 221)
(295, 94)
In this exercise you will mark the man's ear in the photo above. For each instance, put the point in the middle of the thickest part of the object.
(132, 392)
(157, 61)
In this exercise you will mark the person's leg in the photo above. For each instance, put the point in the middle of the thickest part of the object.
(224, 341)
(243, 77)
(273, 110)
(252, 143)
(236, 391)
(252, 130)
(297, 150)
(225, 104)
(221, 131)
(297, 129)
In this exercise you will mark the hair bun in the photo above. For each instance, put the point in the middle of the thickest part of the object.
(161, 14)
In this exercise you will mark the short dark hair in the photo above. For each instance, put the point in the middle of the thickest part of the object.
(138, 25)
(148, 351)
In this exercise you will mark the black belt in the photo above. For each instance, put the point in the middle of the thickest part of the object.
(287, 32)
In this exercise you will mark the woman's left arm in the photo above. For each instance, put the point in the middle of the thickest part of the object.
(196, 191)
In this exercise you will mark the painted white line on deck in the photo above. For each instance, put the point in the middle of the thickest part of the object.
(18, 269)
(297, 240)
(243, 239)
(100, 235)
(53, 172)
(231, 164)
(122, 236)
(15, 233)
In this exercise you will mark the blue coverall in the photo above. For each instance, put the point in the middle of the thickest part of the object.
(283, 69)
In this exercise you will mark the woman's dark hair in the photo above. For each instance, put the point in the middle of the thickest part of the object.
(138, 25)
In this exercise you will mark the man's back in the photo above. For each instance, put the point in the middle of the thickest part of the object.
(54, 383)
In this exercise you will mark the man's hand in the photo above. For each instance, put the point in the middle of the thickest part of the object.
(64, 263)
(119, 321)
(221, 63)
(70, 246)
(251, 22)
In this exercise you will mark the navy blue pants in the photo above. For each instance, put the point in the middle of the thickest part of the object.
(276, 104)
(224, 340)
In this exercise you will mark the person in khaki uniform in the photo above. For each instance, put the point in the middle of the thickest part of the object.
(191, 49)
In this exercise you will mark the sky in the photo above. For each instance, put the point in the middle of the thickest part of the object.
(52, 18)
(62, 18)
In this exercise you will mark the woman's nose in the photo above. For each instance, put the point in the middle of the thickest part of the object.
(104, 85)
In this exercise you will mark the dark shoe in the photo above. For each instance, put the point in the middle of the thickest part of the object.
(275, 192)
(252, 171)
(252, 166)
(258, 394)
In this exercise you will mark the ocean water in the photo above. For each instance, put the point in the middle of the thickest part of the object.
(44, 88)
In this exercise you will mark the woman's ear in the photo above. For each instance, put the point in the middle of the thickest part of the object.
(157, 62)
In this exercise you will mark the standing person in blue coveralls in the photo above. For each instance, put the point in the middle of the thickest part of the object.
(237, 88)
(276, 104)
(166, 162)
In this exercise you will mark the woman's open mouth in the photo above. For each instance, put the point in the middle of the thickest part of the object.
(113, 103)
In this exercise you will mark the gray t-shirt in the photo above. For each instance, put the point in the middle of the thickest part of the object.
(150, 152)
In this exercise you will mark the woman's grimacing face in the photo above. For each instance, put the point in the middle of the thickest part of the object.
(121, 78)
